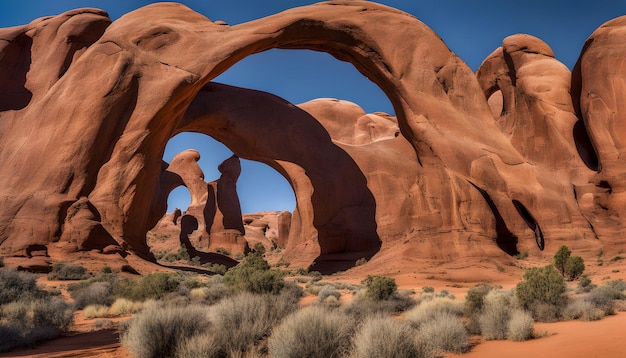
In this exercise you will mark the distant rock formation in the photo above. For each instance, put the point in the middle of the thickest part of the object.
(521, 156)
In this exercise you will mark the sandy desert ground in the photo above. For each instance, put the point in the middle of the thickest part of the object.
(570, 339)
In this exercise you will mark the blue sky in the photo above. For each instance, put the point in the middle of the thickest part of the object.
(471, 28)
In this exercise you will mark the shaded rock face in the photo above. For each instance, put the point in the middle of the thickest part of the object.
(521, 156)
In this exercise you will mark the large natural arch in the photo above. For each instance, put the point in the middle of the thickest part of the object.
(149, 80)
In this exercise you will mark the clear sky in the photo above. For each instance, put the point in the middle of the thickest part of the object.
(471, 28)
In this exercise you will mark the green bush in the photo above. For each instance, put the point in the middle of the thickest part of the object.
(254, 275)
(380, 287)
(155, 285)
(520, 327)
(215, 268)
(541, 289)
(19, 286)
(158, 331)
(574, 267)
(312, 332)
(446, 333)
(560, 259)
(259, 249)
(383, 336)
(67, 271)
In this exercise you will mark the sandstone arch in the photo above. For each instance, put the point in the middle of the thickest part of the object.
(101, 157)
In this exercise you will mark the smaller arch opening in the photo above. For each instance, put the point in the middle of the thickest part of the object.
(179, 198)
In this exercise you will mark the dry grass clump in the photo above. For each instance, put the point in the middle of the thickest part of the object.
(29, 314)
(158, 332)
(312, 332)
(520, 326)
(24, 323)
(582, 309)
(96, 311)
(427, 310)
(328, 291)
(382, 337)
(123, 307)
(494, 316)
(246, 318)
(445, 332)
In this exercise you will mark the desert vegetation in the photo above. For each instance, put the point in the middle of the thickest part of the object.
(28, 313)
(254, 310)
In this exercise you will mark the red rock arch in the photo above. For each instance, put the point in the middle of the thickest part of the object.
(109, 97)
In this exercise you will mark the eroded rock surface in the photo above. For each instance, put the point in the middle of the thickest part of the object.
(521, 156)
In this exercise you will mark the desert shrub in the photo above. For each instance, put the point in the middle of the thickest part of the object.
(493, 319)
(360, 262)
(155, 285)
(619, 286)
(97, 293)
(583, 309)
(574, 267)
(327, 291)
(96, 311)
(215, 268)
(383, 336)
(428, 310)
(246, 318)
(223, 251)
(200, 345)
(254, 275)
(10, 337)
(158, 331)
(123, 307)
(602, 297)
(474, 301)
(428, 289)
(35, 320)
(560, 259)
(520, 326)
(362, 305)
(311, 332)
(67, 271)
(315, 276)
(446, 333)
(584, 285)
(380, 287)
(541, 290)
(259, 248)
(18, 286)
(214, 293)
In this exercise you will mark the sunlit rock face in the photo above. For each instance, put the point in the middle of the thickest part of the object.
(521, 156)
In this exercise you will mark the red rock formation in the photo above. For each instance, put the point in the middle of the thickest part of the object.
(90, 106)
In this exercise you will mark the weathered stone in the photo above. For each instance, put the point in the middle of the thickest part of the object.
(475, 165)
